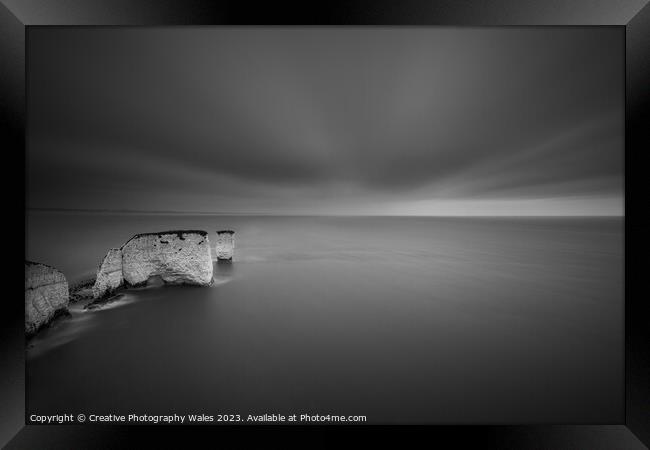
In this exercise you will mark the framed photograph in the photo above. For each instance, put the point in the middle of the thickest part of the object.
(376, 216)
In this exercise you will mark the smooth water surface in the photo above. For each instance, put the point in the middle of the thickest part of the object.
(427, 320)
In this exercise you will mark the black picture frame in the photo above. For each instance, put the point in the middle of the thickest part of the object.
(16, 18)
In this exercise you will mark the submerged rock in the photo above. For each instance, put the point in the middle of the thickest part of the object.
(109, 274)
(46, 295)
(178, 257)
(225, 245)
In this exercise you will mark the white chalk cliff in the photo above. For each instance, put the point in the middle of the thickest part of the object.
(109, 275)
(46, 294)
(178, 257)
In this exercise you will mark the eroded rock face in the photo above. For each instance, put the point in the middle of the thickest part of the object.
(109, 275)
(225, 245)
(46, 294)
(178, 257)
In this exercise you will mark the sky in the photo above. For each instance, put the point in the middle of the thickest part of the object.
(327, 120)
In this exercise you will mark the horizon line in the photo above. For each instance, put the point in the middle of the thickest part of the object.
(211, 213)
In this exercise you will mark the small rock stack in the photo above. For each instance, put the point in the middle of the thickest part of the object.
(225, 245)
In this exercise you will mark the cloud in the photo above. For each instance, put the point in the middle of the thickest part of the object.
(305, 118)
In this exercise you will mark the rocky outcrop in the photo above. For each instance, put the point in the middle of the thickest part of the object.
(46, 295)
(109, 275)
(225, 245)
(175, 257)
(178, 257)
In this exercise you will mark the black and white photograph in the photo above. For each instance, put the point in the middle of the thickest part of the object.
(259, 224)
(380, 225)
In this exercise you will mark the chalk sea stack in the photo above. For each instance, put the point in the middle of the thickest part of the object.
(175, 257)
(46, 295)
(178, 257)
(225, 245)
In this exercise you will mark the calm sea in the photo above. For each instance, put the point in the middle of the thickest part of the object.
(405, 319)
